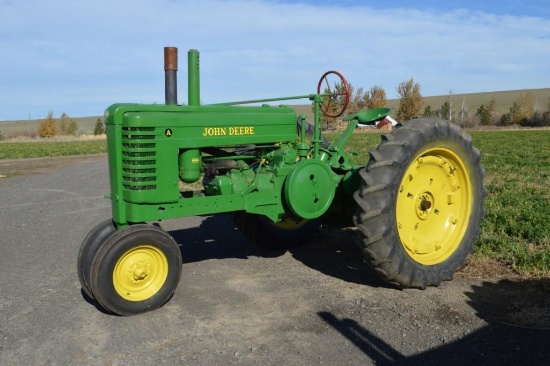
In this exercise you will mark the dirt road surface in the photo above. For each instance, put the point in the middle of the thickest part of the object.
(236, 305)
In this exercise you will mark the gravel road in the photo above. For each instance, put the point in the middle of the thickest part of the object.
(235, 304)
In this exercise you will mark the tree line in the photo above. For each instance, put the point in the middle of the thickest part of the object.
(525, 110)
(64, 126)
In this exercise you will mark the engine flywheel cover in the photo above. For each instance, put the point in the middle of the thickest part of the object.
(309, 189)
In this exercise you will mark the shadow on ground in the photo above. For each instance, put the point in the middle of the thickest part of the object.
(517, 331)
(332, 253)
(517, 313)
(215, 238)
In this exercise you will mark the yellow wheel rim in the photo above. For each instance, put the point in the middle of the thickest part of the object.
(289, 223)
(433, 206)
(140, 273)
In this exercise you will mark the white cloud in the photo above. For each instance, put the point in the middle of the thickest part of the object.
(80, 57)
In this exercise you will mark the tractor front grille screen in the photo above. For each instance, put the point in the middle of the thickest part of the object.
(139, 158)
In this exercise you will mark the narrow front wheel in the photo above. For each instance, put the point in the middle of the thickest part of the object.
(135, 270)
(88, 249)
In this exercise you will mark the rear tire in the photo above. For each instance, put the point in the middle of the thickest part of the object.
(420, 203)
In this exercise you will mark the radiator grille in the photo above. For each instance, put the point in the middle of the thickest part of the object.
(139, 158)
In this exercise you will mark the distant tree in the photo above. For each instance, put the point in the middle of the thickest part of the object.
(47, 127)
(445, 110)
(428, 112)
(526, 104)
(521, 112)
(506, 119)
(491, 108)
(451, 103)
(355, 103)
(410, 100)
(486, 113)
(99, 128)
(375, 97)
(483, 115)
(67, 125)
(463, 113)
(539, 119)
(63, 124)
(515, 115)
(1, 136)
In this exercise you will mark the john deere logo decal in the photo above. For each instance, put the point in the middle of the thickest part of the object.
(168, 132)
(231, 131)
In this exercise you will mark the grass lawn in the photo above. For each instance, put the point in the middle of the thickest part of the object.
(40, 149)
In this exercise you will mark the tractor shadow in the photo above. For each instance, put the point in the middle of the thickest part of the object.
(517, 330)
(333, 253)
(215, 238)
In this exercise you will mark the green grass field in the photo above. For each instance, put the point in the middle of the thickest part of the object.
(516, 229)
(22, 150)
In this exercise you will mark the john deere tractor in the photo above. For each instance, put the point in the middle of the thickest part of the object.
(417, 204)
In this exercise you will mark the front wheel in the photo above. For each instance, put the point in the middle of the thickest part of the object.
(135, 270)
(420, 203)
(89, 247)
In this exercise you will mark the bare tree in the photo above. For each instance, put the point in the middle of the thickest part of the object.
(451, 106)
(491, 107)
(67, 125)
(526, 105)
(357, 100)
(463, 114)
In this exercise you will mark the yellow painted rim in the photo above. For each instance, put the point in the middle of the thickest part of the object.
(433, 205)
(290, 223)
(140, 273)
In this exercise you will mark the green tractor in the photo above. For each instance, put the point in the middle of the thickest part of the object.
(417, 204)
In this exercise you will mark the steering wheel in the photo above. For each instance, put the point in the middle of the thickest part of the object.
(336, 94)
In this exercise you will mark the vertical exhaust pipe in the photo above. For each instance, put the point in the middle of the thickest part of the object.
(171, 75)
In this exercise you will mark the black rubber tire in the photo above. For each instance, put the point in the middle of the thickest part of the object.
(269, 235)
(377, 202)
(88, 249)
(114, 248)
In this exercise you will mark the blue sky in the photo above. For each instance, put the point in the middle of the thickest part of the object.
(79, 57)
